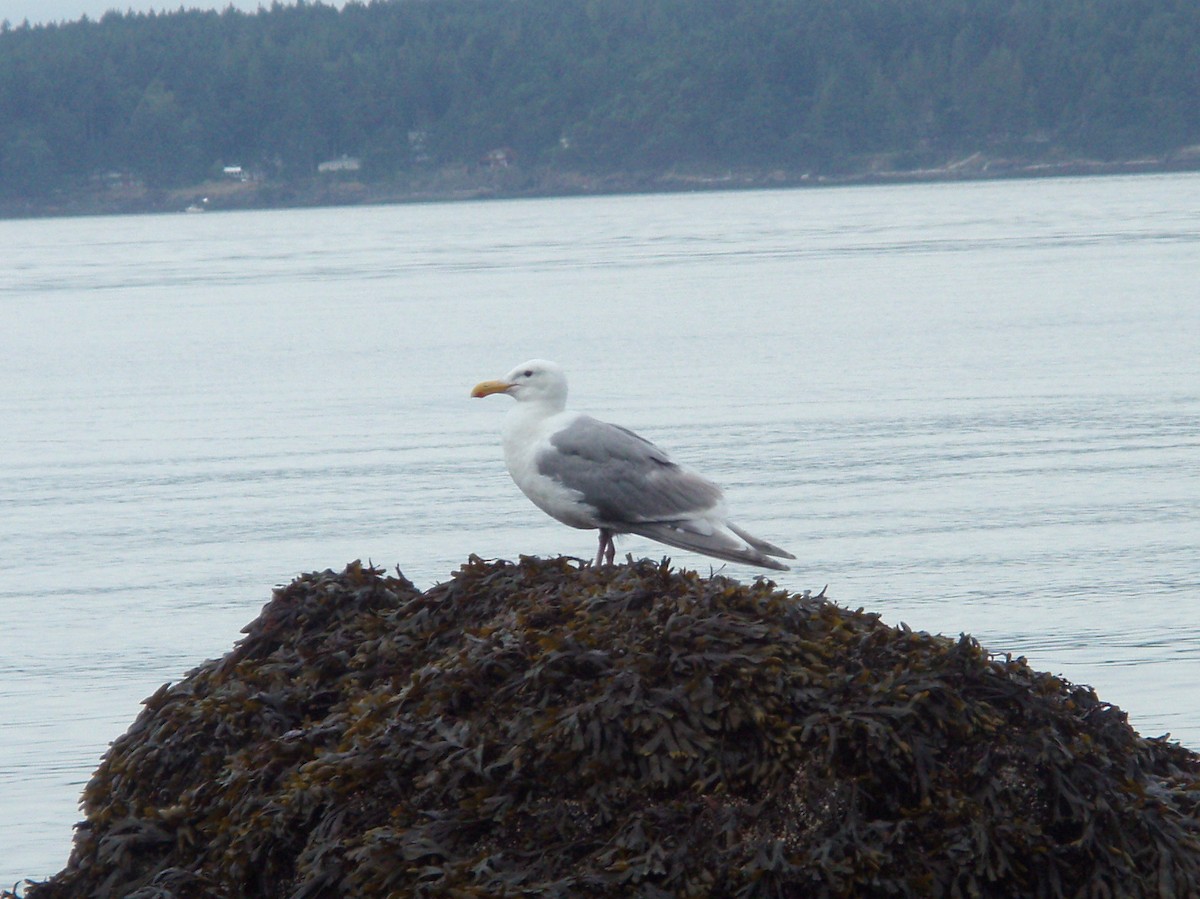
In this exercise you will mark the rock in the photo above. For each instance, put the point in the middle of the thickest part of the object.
(547, 728)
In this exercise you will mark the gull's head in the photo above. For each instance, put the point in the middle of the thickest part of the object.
(536, 381)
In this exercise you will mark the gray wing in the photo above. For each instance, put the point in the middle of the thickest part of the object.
(626, 478)
(684, 535)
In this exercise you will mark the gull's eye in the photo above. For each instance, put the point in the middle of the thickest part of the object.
(529, 372)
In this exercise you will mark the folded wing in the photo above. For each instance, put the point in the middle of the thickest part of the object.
(635, 488)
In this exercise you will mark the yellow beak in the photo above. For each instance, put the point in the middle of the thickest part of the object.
(487, 388)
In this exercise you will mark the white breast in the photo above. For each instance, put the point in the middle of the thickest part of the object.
(526, 434)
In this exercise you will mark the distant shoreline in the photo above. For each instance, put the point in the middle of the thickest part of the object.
(462, 183)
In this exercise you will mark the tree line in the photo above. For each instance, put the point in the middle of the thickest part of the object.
(591, 85)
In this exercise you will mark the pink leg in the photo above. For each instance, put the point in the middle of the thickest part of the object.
(608, 550)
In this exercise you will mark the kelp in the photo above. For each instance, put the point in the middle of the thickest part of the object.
(549, 728)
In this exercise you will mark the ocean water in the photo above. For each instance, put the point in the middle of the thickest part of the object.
(968, 407)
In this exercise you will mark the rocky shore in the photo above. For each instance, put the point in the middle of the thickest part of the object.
(452, 183)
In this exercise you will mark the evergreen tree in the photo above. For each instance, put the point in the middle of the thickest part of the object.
(593, 85)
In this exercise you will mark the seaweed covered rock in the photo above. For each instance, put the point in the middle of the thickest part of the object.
(548, 728)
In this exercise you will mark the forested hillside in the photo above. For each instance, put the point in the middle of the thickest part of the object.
(592, 86)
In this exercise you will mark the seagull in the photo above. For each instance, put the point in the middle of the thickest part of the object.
(590, 474)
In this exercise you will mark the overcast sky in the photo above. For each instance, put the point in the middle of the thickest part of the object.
(42, 11)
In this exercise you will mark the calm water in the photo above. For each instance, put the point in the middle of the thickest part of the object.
(968, 407)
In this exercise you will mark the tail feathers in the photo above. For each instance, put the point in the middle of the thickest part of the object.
(762, 546)
(717, 544)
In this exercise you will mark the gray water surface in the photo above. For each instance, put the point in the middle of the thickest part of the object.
(968, 407)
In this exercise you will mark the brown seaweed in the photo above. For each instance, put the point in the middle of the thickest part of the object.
(547, 728)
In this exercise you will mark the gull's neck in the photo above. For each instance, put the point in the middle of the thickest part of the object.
(527, 417)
